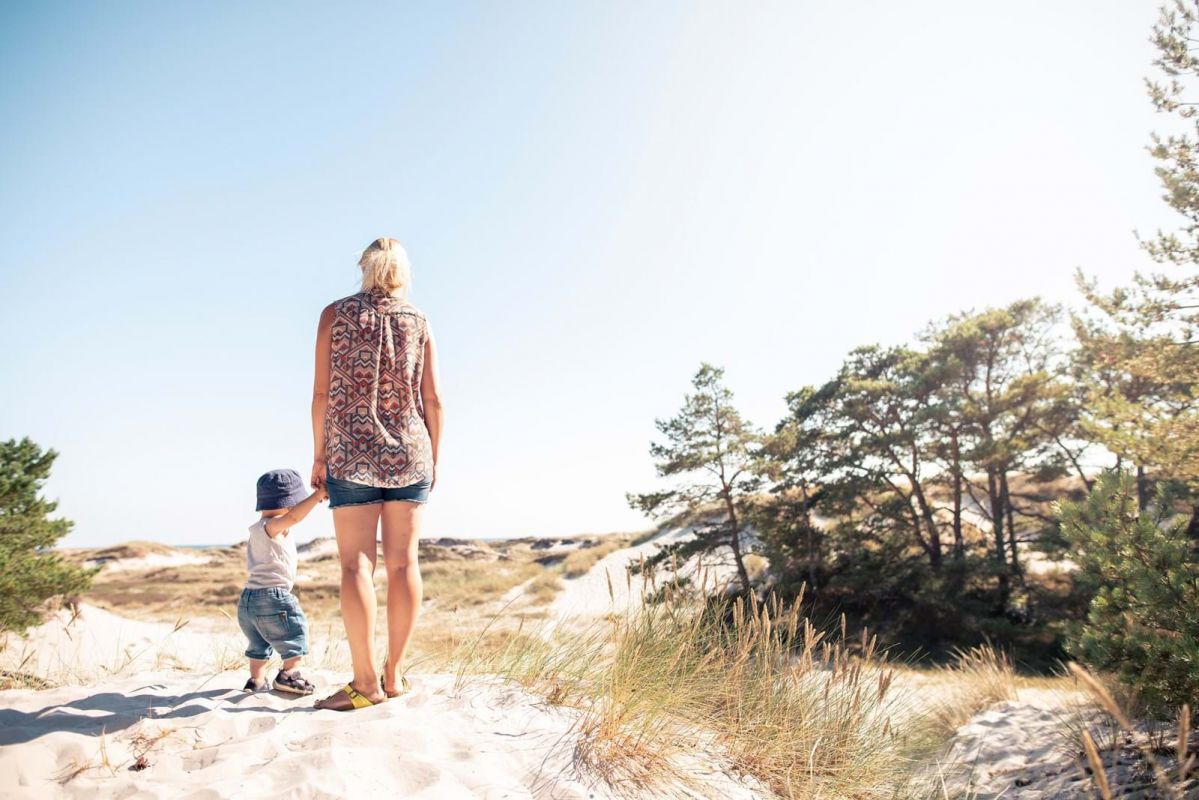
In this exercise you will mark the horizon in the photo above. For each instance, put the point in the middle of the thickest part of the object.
(594, 199)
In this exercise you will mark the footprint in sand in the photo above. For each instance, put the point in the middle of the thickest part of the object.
(317, 742)
(416, 776)
(415, 699)
(200, 759)
(262, 725)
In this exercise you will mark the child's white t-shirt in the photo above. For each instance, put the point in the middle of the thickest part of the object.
(270, 562)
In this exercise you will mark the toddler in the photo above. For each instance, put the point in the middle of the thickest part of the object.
(268, 613)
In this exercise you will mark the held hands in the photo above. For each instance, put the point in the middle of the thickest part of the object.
(317, 481)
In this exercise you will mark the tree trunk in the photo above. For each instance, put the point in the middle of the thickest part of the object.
(1142, 489)
(1193, 525)
(934, 532)
(735, 540)
(815, 557)
(1000, 545)
(959, 545)
(1011, 524)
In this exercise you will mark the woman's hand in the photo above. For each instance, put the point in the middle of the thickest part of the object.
(319, 469)
(433, 479)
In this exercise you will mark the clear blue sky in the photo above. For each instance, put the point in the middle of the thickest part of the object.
(595, 197)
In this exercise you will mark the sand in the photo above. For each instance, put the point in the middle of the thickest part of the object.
(90, 644)
(1022, 748)
(606, 588)
(173, 696)
(149, 562)
(202, 737)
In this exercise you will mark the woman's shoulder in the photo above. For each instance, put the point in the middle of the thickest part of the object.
(383, 305)
(411, 310)
(353, 299)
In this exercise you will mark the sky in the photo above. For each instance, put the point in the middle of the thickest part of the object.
(596, 198)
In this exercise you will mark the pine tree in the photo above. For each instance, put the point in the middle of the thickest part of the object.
(1139, 345)
(1137, 567)
(713, 452)
(29, 573)
(1007, 408)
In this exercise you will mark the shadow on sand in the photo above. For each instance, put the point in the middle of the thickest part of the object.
(107, 712)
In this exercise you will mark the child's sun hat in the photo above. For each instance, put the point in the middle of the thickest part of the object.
(280, 488)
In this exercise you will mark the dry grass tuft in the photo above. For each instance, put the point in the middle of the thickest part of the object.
(1168, 769)
(543, 588)
(578, 562)
(460, 584)
(978, 677)
(806, 714)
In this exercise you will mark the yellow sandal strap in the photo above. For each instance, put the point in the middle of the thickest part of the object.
(357, 699)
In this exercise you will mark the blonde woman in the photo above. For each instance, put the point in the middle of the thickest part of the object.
(376, 424)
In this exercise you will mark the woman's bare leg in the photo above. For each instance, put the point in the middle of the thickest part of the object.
(401, 535)
(356, 527)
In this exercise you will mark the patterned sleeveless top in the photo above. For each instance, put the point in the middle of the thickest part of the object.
(375, 430)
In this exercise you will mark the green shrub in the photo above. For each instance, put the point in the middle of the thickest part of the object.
(1140, 572)
(29, 573)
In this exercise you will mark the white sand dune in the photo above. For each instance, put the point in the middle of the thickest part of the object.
(92, 643)
(149, 562)
(1019, 748)
(607, 588)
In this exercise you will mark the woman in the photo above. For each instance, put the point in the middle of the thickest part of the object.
(376, 424)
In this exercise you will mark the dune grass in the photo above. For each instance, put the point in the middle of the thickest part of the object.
(1164, 754)
(977, 678)
(804, 712)
(544, 587)
(453, 584)
(578, 562)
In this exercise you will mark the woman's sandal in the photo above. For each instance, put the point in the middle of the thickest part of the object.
(405, 687)
(347, 698)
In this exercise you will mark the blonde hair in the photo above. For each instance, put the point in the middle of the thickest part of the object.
(385, 268)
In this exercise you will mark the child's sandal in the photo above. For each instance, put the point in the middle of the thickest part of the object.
(293, 683)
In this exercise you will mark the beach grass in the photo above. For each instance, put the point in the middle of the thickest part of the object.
(805, 712)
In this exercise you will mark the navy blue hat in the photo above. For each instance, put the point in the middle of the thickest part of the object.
(280, 488)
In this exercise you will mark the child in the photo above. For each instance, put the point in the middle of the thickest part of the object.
(269, 614)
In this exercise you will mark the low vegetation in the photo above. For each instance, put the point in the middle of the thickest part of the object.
(31, 573)
(807, 712)
(579, 561)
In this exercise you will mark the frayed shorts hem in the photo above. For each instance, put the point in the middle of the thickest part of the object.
(377, 502)
(343, 494)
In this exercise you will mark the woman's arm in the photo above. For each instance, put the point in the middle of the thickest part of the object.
(320, 395)
(430, 396)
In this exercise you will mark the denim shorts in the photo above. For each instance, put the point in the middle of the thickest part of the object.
(272, 619)
(348, 493)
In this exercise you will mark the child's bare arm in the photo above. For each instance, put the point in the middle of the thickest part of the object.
(278, 525)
